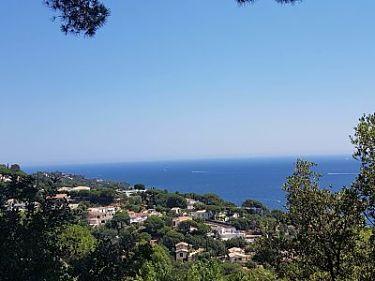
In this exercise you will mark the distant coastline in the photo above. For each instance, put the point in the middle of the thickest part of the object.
(233, 179)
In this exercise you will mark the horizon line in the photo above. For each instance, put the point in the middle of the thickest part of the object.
(187, 159)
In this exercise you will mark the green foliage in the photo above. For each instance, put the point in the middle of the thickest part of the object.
(254, 206)
(256, 274)
(155, 198)
(95, 196)
(175, 200)
(13, 170)
(326, 228)
(246, 223)
(171, 238)
(29, 235)
(158, 267)
(185, 226)
(327, 224)
(76, 241)
(236, 242)
(202, 229)
(154, 225)
(69, 180)
(364, 141)
(139, 186)
(213, 199)
(205, 271)
(120, 220)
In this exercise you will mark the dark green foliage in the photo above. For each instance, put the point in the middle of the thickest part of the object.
(185, 226)
(175, 200)
(256, 274)
(254, 206)
(364, 141)
(272, 250)
(79, 16)
(155, 198)
(70, 180)
(119, 221)
(157, 267)
(95, 196)
(246, 223)
(171, 238)
(29, 235)
(213, 199)
(139, 186)
(75, 242)
(327, 224)
(154, 225)
(326, 230)
(236, 242)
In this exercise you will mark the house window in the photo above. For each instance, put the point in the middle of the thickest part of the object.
(181, 255)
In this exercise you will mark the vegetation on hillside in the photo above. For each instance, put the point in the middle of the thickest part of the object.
(322, 235)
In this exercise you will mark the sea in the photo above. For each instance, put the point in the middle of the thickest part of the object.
(234, 180)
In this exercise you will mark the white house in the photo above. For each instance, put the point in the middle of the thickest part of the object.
(190, 203)
(238, 255)
(182, 251)
(137, 217)
(131, 192)
(202, 214)
(185, 252)
(227, 232)
(100, 215)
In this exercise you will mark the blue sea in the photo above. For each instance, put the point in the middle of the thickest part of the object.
(233, 179)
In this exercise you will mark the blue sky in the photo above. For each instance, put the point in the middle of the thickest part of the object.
(185, 79)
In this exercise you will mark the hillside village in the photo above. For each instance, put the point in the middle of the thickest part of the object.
(92, 229)
(179, 217)
(189, 225)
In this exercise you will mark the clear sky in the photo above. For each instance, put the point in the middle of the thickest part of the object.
(175, 79)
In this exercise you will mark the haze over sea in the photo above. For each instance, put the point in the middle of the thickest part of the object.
(232, 179)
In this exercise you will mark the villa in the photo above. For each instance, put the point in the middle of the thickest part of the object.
(238, 255)
(76, 188)
(226, 232)
(177, 221)
(131, 192)
(137, 217)
(202, 214)
(100, 215)
(142, 216)
(185, 252)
